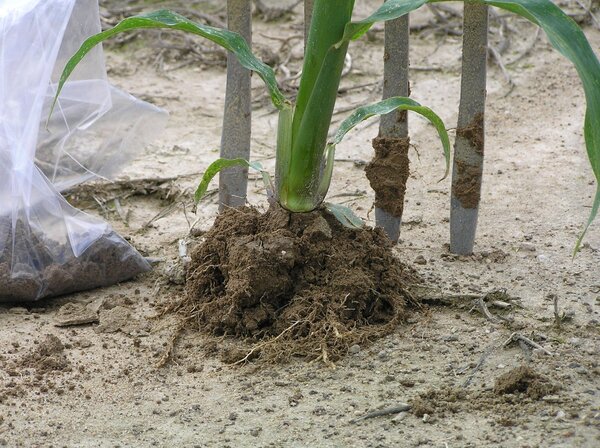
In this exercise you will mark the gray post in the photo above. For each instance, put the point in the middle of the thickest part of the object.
(469, 146)
(235, 136)
(394, 125)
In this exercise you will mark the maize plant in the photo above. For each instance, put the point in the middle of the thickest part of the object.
(304, 152)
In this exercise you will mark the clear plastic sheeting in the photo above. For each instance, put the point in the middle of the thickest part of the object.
(47, 247)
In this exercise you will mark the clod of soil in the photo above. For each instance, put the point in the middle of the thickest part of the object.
(388, 173)
(33, 266)
(47, 357)
(438, 402)
(466, 185)
(298, 284)
(525, 380)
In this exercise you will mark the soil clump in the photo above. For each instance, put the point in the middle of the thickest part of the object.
(48, 356)
(525, 380)
(294, 284)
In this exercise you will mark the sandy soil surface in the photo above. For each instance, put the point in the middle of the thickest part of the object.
(93, 382)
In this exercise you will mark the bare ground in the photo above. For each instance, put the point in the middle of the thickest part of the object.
(97, 384)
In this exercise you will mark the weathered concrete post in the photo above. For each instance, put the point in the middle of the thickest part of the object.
(469, 147)
(235, 136)
(388, 171)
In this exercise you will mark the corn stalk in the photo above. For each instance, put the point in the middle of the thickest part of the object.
(308, 8)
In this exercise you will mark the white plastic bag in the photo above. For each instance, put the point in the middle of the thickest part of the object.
(47, 247)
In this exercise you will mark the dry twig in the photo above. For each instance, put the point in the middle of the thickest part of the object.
(396, 409)
(516, 337)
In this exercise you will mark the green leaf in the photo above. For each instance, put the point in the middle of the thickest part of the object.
(221, 164)
(564, 35)
(229, 40)
(344, 215)
(391, 9)
(389, 105)
(591, 218)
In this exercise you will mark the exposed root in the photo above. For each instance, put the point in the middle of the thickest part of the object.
(292, 285)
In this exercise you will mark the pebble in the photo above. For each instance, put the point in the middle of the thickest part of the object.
(551, 398)
(560, 415)
(426, 418)
(255, 432)
(399, 417)
(450, 338)
(18, 310)
(527, 247)
(420, 260)
(354, 349)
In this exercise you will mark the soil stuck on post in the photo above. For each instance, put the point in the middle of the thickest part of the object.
(295, 284)
(388, 173)
(466, 184)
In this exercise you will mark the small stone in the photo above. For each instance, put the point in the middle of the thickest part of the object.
(551, 398)
(560, 415)
(233, 416)
(420, 260)
(255, 432)
(354, 349)
(399, 417)
(527, 247)
(18, 310)
(426, 418)
(575, 342)
(450, 338)
(382, 355)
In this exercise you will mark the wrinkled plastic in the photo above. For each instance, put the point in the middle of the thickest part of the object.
(47, 247)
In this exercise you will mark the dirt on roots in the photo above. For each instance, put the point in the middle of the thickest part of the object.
(294, 285)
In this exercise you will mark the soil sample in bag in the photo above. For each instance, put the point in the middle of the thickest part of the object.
(33, 266)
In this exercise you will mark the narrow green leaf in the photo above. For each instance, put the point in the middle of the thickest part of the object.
(229, 40)
(219, 164)
(391, 9)
(389, 105)
(564, 35)
(591, 218)
(344, 215)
